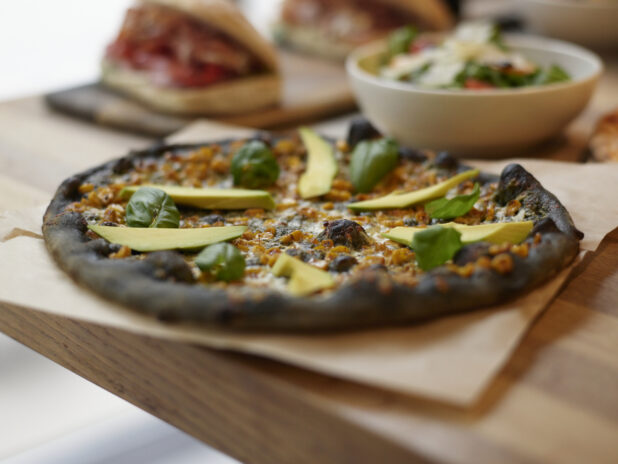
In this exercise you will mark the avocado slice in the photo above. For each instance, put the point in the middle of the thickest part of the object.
(321, 165)
(304, 278)
(211, 198)
(153, 239)
(405, 199)
(499, 232)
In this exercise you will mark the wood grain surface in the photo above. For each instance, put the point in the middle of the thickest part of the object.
(555, 401)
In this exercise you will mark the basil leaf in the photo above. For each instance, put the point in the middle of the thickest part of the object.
(152, 207)
(435, 246)
(254, 166)
(400, 40)
(371, 161)
(454, 207)
(223, 261)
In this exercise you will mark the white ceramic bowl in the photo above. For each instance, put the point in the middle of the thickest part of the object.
(489, 123)
(593, 23)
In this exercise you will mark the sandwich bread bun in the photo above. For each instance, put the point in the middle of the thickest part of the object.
(245, 91)
(332, 29)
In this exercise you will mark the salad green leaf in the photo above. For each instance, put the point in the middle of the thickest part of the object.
(496, 38)
(400, 40)
(435, 246)
(371, 161)
(443, 208)
(551, 75)
(414, 75)
(222, 260)
(504, 79)
(490, 63)
(483, 73)
(152, 207)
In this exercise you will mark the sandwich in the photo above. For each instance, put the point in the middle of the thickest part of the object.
(333, 28)
(192, 57)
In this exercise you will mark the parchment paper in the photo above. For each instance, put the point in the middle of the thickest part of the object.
(452, 359)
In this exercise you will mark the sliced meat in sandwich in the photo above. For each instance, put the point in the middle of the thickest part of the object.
(333, 28)
(192, 57)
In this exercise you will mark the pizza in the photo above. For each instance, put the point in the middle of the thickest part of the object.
(304, 233)
(604, 141)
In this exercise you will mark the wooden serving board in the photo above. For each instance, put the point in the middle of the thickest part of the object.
(312, 89)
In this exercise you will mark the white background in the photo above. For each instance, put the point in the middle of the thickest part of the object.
(47, 44)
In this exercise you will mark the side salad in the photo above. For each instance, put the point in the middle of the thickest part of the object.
(474, 56)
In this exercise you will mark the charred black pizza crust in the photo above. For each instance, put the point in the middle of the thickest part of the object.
(162, 285)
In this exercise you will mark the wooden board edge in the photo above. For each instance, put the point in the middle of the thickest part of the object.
(241, 411)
